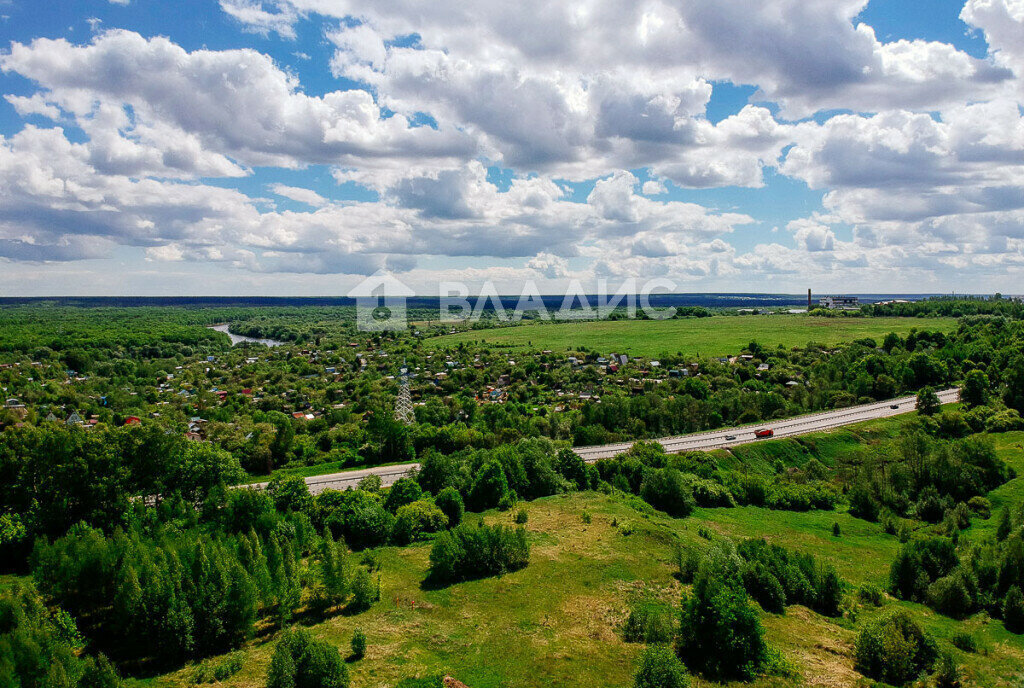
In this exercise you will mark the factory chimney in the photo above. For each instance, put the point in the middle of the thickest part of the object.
(808, 300)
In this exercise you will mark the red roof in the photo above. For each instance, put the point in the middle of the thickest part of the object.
(132, 420)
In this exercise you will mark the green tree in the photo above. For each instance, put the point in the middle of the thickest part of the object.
(658, 667)
(364, 591)
(928, 403)
(1013, 610)
(449, 501)
(720, 633)
(491, 487)
(894, 649)
(358, 644)
(975, 389)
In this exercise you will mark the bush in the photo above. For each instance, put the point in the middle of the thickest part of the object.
(919, 564)
(964, 641)
(301, 661)
(949, 595)
(648, 622)
(290, 494)
(403, 491)
(764, 587)
(666, 490)
(947, 675)
(358, 644)
(869, 594)
(659, 667)
(894, 649)
(417, 519)
(720, 633)
(465, 553)
(490, 488)
(521, 517)
(364, 591)
(1013, 610)
(450, 502)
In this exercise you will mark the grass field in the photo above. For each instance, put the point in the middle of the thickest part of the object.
(715, 336)
(555, 622)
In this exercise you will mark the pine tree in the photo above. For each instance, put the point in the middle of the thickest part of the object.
(282, 668)
(1005, 526)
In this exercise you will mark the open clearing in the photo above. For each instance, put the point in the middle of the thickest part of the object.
(714, 336)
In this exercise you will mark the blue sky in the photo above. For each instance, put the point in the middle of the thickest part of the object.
(295, 146)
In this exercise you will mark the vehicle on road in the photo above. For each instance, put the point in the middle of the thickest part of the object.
(767, 432)
(895, 407)
(730, 437)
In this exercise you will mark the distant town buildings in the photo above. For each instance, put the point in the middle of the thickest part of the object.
(839, 302)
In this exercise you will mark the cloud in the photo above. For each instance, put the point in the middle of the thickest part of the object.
(654, 187)
(301, 195)
(234, 103)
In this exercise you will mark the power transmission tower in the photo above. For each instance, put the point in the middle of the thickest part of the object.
(403, 405)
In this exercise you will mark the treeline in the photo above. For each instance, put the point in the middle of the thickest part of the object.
(174, 594)
(927, 479)
(676, 483)
(950, 306)
(54, 477)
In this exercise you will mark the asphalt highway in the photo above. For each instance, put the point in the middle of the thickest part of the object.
(717, 439)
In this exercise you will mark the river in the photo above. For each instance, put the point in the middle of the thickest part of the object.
(238, 339)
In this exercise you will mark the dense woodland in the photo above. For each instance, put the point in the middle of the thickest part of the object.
(124, 430)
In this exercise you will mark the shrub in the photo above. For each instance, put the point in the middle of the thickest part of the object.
(920, 563)
(764, 587)
(658, 667)
(949, 596)
(450, 502)
(947, 675)
(404, 491)
(666, 490)
(980, 506)
(368, 525)
(964, 641)
(521, 517)
(648, 622)
(894, 649)
(301, 661)
(364, 592)
(358, 644)
(836, 530)
(416, 519)
(371, 483)
(869, 594)
(490, 488)
(290, 494)
(720, 633)
(1013, 610)
(465, 553)
(862, 503)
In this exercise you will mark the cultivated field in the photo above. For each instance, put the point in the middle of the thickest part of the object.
(714, 336)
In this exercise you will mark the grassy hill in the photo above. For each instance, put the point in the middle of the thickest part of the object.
(556, 621)
(714, 336)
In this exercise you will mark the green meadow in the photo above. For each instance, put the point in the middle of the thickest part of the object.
(714, 336)
(556, 622)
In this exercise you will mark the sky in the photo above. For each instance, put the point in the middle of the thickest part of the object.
(293, 147)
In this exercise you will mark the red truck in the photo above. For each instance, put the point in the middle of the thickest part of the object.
(767, 432)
